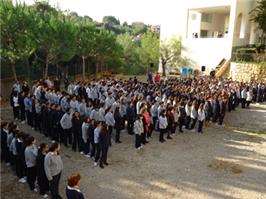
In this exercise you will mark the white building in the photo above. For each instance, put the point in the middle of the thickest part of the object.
(210, 28)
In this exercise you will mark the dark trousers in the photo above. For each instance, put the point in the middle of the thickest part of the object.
(243, 102)
(187, 121)
(137, 141)
(110, 130)
(193, 123)
(54, 187)
(75, 141)
(67, 136)
(37, 121)
(43, 183)
(248, 103)
(29, 118)
(20, 169)
(97, 152)
(16, 112)
(181, 122)
(221, 119)
(117, 135)
(104, 151)
(31, 177)
(200, 125)
(162, 131)
(22, 113)
(130, 125)
(86, 146)
(215, 117)
(155, 125)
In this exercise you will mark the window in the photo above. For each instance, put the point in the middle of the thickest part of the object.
(206, 17)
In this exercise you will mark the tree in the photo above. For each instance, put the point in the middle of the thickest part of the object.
(258, 15)
(110, 20)
(170, 53)
(85, 42)
(17, 34)
(149, 49)
(138, 28)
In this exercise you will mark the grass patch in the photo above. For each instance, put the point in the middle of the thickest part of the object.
(223, 165)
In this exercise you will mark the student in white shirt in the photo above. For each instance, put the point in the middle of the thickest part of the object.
(201, 117)
(162, 125)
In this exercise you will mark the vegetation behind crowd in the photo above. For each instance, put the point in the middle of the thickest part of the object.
(40, 40)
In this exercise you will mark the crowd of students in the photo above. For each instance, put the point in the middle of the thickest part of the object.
(88, 113)
(40, 167)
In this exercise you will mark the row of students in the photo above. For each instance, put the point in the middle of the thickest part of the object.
(30, 163)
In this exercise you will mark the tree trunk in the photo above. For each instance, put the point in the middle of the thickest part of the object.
(28, 70)
(46, 68)
(164, 69)
(13, 67)
(83, 68)
(97, 68)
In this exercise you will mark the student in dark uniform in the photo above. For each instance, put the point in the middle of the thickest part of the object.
(181, 116)
(104, 145)
(72, 190)
(215, 110)
(20, 158)
(41, 176)
(118, 124)
(222, 103)
(130, 116)
(22, 107)
(4, 148)
(76, 131)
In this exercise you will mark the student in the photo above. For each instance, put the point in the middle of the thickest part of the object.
(170, 121)
(76, 131)
(138, 130)
(110, 121)
(188, 113)
(85, 136)
(201, 117)
(15, 105)
(96, 147)
(118, 124)
(4, 147)
(215, 109)
(72, 189)
(104, 145)
(222, 103)
(162, 125)
(181, 116)
(28, 109)
(31, 153)
(243, 97)
(41, 176)
(22, 107)
(130, 117)
(53, 167)
(193, 114)
(249, 96)
(66, 124)
(18, 152)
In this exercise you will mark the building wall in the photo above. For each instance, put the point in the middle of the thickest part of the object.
(248, 71)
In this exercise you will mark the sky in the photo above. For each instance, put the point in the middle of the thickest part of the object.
(147, 11)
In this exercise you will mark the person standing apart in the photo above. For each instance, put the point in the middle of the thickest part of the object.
(104, 145)
(53, 166)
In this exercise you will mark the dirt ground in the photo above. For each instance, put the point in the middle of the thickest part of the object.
(227, 162)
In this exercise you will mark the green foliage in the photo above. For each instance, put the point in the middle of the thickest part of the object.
(258, 15)
(42, 36)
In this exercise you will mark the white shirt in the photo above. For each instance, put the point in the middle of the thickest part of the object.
(201, 115)
(163, 122)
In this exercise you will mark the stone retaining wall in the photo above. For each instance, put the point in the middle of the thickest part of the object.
(248, 71)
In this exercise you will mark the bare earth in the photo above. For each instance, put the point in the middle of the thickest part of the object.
(227, 162)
